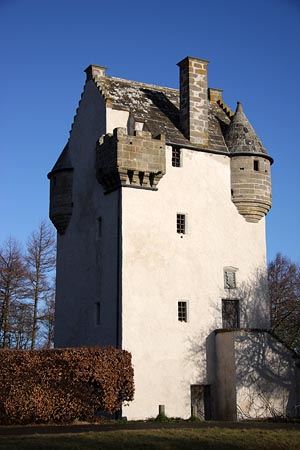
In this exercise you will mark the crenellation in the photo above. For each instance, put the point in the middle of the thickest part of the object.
(139, 159)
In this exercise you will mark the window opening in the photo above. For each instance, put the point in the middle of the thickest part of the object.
(182, 311)
(230, 314)
(99, 227)
(97, 313)
(201, 401)
(229, 279)
(181, 224)
(256, 165)
(176, 157)
(130, 175)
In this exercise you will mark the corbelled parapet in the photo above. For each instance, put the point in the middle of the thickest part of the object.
(61, 186)
(251, 186)
(125, 160)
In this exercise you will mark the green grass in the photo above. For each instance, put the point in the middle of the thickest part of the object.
(162, 439)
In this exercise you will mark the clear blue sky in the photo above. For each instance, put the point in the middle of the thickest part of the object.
(254, 53)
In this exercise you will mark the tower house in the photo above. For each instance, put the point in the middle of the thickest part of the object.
(159, 199)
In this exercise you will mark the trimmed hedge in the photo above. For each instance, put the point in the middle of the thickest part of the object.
(61, 385)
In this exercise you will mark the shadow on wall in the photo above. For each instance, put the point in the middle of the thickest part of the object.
(253, 301)
(253, 312)
(267, 376)
(251, 373)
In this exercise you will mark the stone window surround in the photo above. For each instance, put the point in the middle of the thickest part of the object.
(230, 277)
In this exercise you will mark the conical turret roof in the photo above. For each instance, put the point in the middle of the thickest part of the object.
(63, 162)
(241, 137)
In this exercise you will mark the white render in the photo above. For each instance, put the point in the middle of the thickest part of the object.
(180, 267)
(121, 254)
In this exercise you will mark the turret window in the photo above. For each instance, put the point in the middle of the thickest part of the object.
(256, 165)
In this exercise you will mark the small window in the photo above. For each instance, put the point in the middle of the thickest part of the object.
(230, 314)
(182, 311)
(181, 224)
(99, 227)
(256, 165)
(97, 313)
(176, 157)
(229, 279)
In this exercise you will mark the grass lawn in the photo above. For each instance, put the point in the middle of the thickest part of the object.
(161, 439)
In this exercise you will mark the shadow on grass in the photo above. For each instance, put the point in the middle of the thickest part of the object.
(208, 439)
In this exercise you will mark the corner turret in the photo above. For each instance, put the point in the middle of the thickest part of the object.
(250, 169)
(61, 185)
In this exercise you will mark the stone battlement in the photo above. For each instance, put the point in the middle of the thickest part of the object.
(126, 160)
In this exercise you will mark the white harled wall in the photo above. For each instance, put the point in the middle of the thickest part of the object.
(161, 267)
(87, 260)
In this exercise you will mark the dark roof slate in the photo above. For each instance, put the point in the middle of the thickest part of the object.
(158, 108)
(63, 162)
(241, 137)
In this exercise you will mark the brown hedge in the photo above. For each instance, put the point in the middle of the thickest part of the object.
(61, 385)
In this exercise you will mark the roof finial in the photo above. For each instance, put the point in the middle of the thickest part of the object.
(239, 107)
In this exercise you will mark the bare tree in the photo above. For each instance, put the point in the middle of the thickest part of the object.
(47, 320)
(12, 287)
(40, 260)
(21, 325)
(284, 291)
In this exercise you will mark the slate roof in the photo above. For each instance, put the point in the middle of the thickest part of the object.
(158, 108)
(241, 137)
(63, 162)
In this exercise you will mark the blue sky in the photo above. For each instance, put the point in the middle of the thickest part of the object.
(253, 48)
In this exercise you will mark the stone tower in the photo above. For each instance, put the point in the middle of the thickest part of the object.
(250, 169)
(159, 200)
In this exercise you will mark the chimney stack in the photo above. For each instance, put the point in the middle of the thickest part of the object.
(94, 71)
(194, 100)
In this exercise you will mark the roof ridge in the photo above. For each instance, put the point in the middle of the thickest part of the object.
(140, 83)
